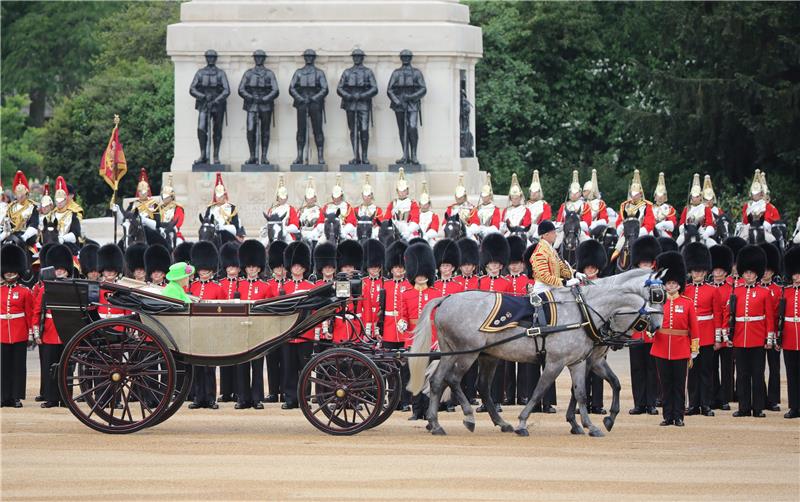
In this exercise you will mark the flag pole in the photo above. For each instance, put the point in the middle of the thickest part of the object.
(116, 181)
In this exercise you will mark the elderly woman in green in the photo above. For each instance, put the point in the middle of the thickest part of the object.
(179, 276)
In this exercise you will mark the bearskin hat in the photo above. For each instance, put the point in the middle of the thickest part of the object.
(43, 254)
(13, 259)
(252, 254)
(721, 257)
(419, 260)
(182, 252)
(667, 244)
(229, 255)
(773, 257)
(735, 244)
(494, 248)
(87, 257)
(417, 240)
(527, 257)
(792, 263)
(109, 257)
(205, 256)
(157, 259)
(591, 253)
(374, 253)
(275, 254)
(752, 258)
(349, 253)
(516, 248)
(134, 256)
(447, 251)
(675, 270)
(469, 251)
(297, 253)
(394, 255)
(59, 256)
(644, 249)
(697, 257)
(324, 256)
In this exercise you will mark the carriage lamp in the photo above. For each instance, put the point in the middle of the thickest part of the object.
(342, 289)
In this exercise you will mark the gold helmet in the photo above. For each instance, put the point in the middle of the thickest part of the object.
(21, 184)
(536, 185)
(402, 184)
(756, 187)
(764, 185)
(486, 190)
(708, 190)
(61, 190)
(281, 192)
(661, 187)
(220, 192)
(46, 199)
(337, 190)
(143, 187)
(167, 190)
(366, 188)
(424, 196)
(636, 184)
(310, 191)
(695, 190)
(575, 186)
(514, 190)
(461, 190)
(592, 186)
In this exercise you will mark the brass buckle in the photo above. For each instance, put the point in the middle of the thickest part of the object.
(535, 331)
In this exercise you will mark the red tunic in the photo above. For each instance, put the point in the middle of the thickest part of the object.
(586, 214)
(292, 286)
(518, 284)
(494, 284)
(370, 304)
(394, 291)
(349, 217)
(104, 309)
(413, 212)
(647, 220)
(468, 283)
(49, 335)
(791, 320)
(723, 296)
(16, 313)
(412, 301)
(474, 218)
(526, 219)
(229, 286)
(771, 214)
(755, 316)
(448, 286)
(207, 290)
(708, 307)
(708, 219)
(673, 339)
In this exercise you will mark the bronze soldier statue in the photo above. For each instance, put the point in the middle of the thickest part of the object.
(309, 88)
(406, 88)
(210, 89)
(357, 87)
(258, 88)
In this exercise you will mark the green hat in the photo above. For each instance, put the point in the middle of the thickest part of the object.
(180, 270)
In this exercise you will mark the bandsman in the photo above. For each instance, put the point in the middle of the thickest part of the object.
(428, 220)
(170, 212)
(663, 212)
(22, 215)
(697, 213)
(224, 214)
(538, 207)
(342, 210)
(403, 211)
(368, 213)
(309, 213)
(205, 260)
(297, 352)
(486, 219)
(549, 270)
(516, 218)
(598, 212)
(722, 377)
(790, 334)
(16, 325)
(768, 280)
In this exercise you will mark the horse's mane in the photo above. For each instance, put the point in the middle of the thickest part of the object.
(623, 282)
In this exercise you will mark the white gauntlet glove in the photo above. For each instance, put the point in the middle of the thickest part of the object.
(572, 282)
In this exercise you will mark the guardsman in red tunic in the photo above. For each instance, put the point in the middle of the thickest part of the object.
(372, 286)
(722, 372)
(644, 380)
(250, 375)
(421, 267)
(324, 272)
(16, 325)
(229, 285)
(591, 260)
(468, 280)
(773, 384)
(790, 334)
(516, 218)
(448, 258)
(389, 311)
(87, 257)
(754, 330)
(205, 260)
(539, 208)
(156, 264)
(676, 341)
(349, 258)
(517, 387)
(297, 352)
(110, 264)
(707, 305)
(134, 261)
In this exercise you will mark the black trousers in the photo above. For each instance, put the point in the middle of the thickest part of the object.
(470, 382)
(644, 381)
(41, 372)
(700, 378)
(549, 398)
(750, 379)
(672, 374)
(274, 372)
(13, 371)
(791, 358)
(773, 383)
(722, 377)
(594, 390)
(250, 389)
(509, 381)
(295, 357)
(204, 384)
(525, 381)
(49, 354)
(406, 398)
(227, 382)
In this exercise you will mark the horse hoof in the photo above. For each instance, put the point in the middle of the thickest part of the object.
(428, 427)
(596, 433)
(608, 423)
(438, 432)
(469, 425)
(577, 430)
(506, 428)
(522, 432)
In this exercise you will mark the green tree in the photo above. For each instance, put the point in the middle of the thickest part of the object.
(19, 143)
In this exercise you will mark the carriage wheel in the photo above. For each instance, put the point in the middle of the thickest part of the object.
(117, 376)
(184, 377)
(348, 391)
(393, 394)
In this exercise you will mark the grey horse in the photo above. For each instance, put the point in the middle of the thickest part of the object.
(615, 302)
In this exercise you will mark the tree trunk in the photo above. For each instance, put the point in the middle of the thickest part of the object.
(38, 102)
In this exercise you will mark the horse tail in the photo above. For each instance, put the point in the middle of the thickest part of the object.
(423, 336)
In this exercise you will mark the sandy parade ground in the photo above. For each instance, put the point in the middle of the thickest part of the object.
(277, 455)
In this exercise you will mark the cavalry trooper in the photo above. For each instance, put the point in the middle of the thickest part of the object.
(461, 206)
(663, 212)
(22, 217)
(518, 285)
(342, 210)
(372, 286)
(644, 380)
(516, 218)
(68, 223)
(403, 211)
(224, 214)
(539, 208)
(753, 311)
(389, 310)
(790, 335)
(156, 264)
(46, 214)
(759, 209)
(170, 212)
(297, 352)
(368, 214)
(447, 256)
(574, 204)
(211, 90)
(486, 218)
(598, 211)
(722, 367)
(635, 206)
(145, 205)
(428, 220)
(16, 325)
(707, 304)
(71, 204)
(309, 213)
(697, 213)
(421, 269)
(284, 212)
(356, 87)
(205, 260)
(229, 285)
(768, 280)
(134, 261)
(710, 198)
(591, 261)
(258, 89)
(676, 341)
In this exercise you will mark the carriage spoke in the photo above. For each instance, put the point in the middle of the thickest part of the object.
(93, 389)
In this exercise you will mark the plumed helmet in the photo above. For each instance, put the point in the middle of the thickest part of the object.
(644, 250)
(469, 251)
(791, 262)
(109, 257)
(324, 256)
(349, 253)
(735, 244)
(674, 269)
(516, 248)
(229, 255)
(205, 256)
(87, 257)
(591, 253)
(494, 247)
(182, 252)
(667, 244)
(751, 258)
(447, 251)
(697, 257)
(773, 257)
(59, 256)
(419, 261)
(721, 257)
(297, 253)
(252, 254)
(394, 255)
(275, 254)
(157, 259)
(13, 260)
(134, 256)
(374, 253)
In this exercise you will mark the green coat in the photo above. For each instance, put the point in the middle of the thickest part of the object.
(174, 290)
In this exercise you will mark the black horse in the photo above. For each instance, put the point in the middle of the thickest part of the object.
(691, 233)
(724, 227)
(364, 228)
(208, 231)
(332, 229)
(454, 228)
(571, 231)
(388, 232)
(274, 229)
(630, 232)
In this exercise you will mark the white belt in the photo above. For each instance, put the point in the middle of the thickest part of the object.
(8, 317)
(749, 319)
(709, 317)
(791, 319)
(390, 313)
(107, 316)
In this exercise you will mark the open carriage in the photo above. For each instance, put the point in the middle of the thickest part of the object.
(126, 373)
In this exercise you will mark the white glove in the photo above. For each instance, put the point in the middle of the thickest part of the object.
(666, 226)
(709, 232)
(162, 232)
(28, 233)
(349, 231)
(402, 326)
(430, 235)
(642, 231)
(149, 222)
(584, 226)
(695, 354)
(69, 237)
(572, 282)
(292, 229)
(413, 227)
(580, 276)
(619, 231)
(718, 336)
(61, 239)
(116, 210)
(3, 236)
